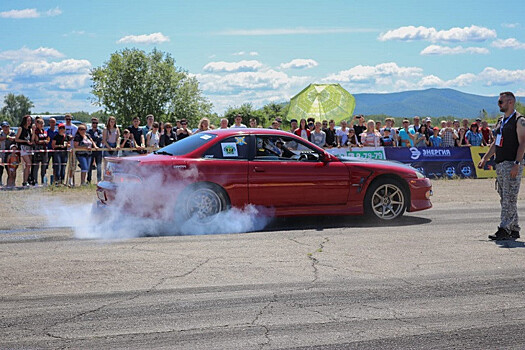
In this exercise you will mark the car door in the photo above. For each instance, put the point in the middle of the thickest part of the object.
(288, 172)
(226, 164)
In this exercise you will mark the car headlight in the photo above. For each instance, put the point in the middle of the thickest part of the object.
(419, 175)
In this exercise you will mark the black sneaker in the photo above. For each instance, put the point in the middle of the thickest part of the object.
(500, 235)
(515, 234)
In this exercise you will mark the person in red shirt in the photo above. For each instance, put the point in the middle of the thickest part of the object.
(487, 133)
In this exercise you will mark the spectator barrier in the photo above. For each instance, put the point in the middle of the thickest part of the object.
(432, 162)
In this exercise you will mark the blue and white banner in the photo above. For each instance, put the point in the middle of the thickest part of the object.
(435, 162)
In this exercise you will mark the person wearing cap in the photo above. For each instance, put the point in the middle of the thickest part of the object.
(435, 140)
(387, 140)
(7, 138)
(13, 160)
(474, 136)
(430, 129)
(59, 145)
(389, 123)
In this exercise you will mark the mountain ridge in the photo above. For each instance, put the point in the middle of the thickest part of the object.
(431, 102)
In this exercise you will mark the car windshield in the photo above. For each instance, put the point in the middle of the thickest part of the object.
(187, 144)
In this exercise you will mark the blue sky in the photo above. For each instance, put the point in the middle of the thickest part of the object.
(264, 51)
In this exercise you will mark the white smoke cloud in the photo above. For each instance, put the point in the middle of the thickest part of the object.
(150, 208)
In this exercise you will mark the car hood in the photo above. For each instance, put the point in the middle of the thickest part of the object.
(391, 164)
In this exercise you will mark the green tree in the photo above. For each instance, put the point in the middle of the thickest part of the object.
(15, 107)
(246, 111)
(136, 83)
(188, 101)
(520, 107)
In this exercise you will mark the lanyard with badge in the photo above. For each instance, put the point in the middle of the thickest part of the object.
(499, 135)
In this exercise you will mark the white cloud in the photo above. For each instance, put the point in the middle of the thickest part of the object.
(292, 31)
(258, 88)
(510, 25)
(71, 82)
(508, 43)
(456, 34)
(299, 63)
(153, 38)
(446, 50)
(41, 68)
(25, 54)
(491, 76)
(25, 13)
(54, 12)
(241, 66)
(377, 73)
(242, 53)
(30, 13)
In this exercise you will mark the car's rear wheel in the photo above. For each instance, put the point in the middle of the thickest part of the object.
(202, 202)
(385, 199)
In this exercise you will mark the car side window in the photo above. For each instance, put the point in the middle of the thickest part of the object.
(235, 147)
(283, 148)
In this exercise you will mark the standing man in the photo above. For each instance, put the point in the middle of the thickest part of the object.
(224, 123)
(509, 147)
(448, 135)
(238, 122)
(96, 156)
(149, 123)
(136, 131)
(331, 138)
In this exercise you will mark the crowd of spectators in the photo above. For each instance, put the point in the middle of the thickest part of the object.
(416, 133)
(35, 147)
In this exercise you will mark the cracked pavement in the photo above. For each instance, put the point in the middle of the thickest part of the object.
(429, 281)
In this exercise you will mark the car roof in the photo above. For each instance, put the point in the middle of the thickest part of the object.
(254, 131)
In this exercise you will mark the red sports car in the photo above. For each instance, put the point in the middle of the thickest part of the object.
(209, 172)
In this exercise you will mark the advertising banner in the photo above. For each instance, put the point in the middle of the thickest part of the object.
(359, 152)
(490, 167)
(435, 162)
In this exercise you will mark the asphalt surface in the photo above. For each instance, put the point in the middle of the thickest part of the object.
(431, 281)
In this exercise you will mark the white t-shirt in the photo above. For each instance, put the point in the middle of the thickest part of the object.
(237, 127)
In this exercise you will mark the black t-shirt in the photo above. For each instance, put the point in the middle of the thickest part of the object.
(359, 130)
(137, 134)
(330, 137)
(60, 141)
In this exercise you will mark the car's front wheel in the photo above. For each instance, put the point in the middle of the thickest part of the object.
(202, 202)
(385, 199)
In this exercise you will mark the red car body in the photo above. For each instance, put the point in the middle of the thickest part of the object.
(261, 168)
